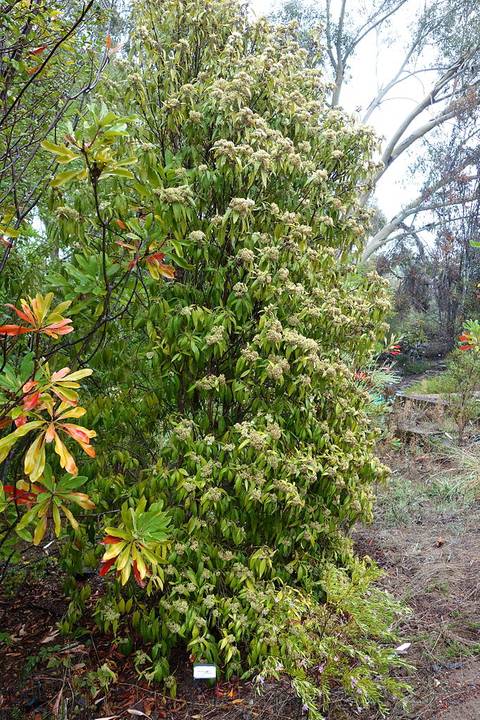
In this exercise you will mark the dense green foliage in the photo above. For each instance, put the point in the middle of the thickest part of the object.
(203, 223)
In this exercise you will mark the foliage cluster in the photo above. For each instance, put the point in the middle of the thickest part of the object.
(460, 382)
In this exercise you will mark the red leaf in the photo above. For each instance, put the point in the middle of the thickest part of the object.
(20, 497)
(105, 567)
(13, 330)
(110, 540)
(158, 256)
(39, 50)
(31, 401)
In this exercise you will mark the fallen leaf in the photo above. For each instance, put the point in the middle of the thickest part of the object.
(48, 638)
(56, 704)
(137, 713)
(402, 649)
(148, 705)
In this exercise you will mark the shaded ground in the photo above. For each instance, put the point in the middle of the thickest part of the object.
(426, 537)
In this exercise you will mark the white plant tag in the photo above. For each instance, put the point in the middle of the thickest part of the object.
(204, 672)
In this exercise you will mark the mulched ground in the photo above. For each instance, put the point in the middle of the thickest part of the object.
(44, 674)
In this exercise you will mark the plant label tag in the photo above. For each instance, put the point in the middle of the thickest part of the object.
(204, 672)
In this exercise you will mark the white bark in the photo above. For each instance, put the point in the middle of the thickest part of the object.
(385, 234)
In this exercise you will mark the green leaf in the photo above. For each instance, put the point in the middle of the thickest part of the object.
(57, 522)
(119, 171)
(62, 153)
(68, 482)
(64, 177)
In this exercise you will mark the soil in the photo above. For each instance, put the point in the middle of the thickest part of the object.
(427, 540)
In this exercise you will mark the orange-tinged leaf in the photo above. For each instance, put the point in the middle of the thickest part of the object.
(121, 224)
(167, 271)
(89, 450)
(140, 563)
(50, 433)
(36, 313)
(108, 41)
(60, 374)
(27, 316)
(137, 575)
(56, 329)
(81, 499)
(38, 50)
(125, 245)
(66, 459)
(78, 432)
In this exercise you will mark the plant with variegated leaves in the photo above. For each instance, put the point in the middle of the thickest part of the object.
(47, 500)
(51, 427)
(41, 402)
(470, 337)
(39, 318)
(138, 545)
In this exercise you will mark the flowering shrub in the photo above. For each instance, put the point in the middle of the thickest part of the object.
(214, 282)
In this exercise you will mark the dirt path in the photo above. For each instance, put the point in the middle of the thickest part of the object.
(427, 538)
